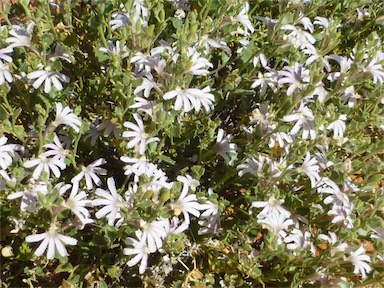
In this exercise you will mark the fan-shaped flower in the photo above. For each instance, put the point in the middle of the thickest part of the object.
(53, 241)
(66, 117)
(111, 201)
(360, 260)
(295, 76)
(137, 134)
(140, 249)
(46, 164)
(49, 78)
(191, 98)
(90, 173)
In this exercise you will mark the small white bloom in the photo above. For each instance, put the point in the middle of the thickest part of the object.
(276, 223)
(296, 77)
(338, 126)
(360, 260)
(77, 202)
(379, 233)
(66, 117)
(173, 226)
(189, 183)
(90, 173)
(304, 119)
(223, 145)
(111, 201)
(140, 249)
(46, 164)
(5, 75)
(298, 240)
(21, 36)
(191, 98)
(53, 241)
(137, 135)
(243, 18)
(49, 78)
(119, 19)
(116, 50)
(7, 152)
(56, 150)
(253, 165)
(332, 239)
(154, 233)
(210, 218)
(198, 65)
(4, 56)
(29, 195)
(108, 126)
(272, 205)
(311, 169)
(186, 204)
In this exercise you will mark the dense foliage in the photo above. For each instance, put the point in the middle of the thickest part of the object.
(191, 143)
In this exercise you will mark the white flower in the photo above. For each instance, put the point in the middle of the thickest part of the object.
(189, 183)
(53, 240)
(140, 249)
(376, 70)
(48, 77)
(66, 117)
(321, 21)
(154, 233)
(351, 95)
(138, 135)
(30, 195)
(268, 79)
(172, 226)
(191, 98)
(5, 75)
(253, 166)
(281, 138)
(311, 169)
(4, 56)
(7, 152)
(120, 19)
(77, 202)
(138, 166)
(146, 85)
(332, 239)
(345, 64)
(21, 37)
(304, 118)
(90, 173)
(338, 126)
(360, 261)
(223, 145)
(276, 223)
(57, 150)
(186, 204)
(379, 233)
(297, 36)
(243, 18)
(111, 201)
(43, 163)
(116, 50)
(272, 205)
(263, 118)
(298, 240)
(210, 218)
(197, 65)
(294, 76)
